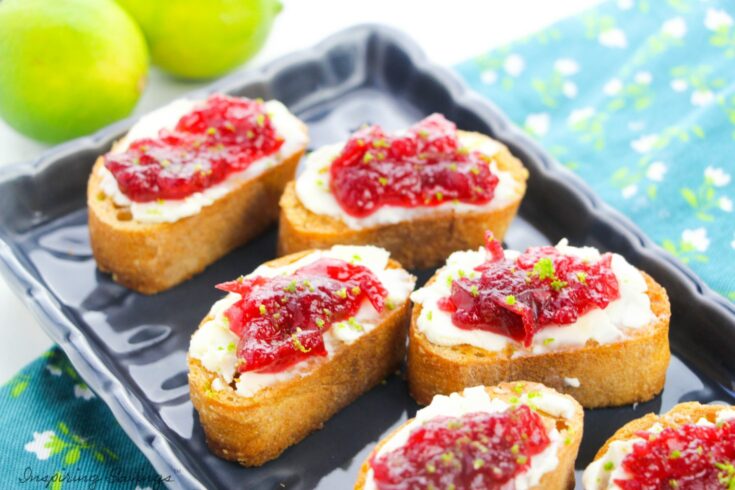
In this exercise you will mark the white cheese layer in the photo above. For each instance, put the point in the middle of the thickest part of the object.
(631, 310)
(313, 183)
(287, 126)
(214, 343)
(476, 399)
(602, 473)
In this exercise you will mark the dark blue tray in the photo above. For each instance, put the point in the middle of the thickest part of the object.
(131, 348)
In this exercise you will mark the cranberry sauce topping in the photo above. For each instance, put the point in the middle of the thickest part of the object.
(282, 320)
(222, 135)
(686, 458)
(425, 166)
(476, 451)
(518, 297)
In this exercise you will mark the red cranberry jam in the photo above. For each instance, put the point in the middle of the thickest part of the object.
(476, 451)
(517, 298)
(425, 166)
(282, 320)
(220, 136)
(690, 457)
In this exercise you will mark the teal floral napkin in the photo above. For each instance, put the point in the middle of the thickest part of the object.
(638, 98)
(57, 434)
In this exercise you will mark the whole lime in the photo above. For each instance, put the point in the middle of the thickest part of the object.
(68, 66)
(201, 39)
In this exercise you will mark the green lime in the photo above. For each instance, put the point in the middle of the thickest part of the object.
(203, 38)
(68, 67)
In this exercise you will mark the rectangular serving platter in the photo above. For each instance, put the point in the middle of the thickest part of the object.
(131, 349)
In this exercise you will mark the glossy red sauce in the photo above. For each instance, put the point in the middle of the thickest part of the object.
(517, 298)
(425, 166)
(221, 136)
(282, 320)
(476, 451)
(690, 457)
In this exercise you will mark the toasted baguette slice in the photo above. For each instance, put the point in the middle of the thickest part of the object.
(254, 430)
(152, 257)
(681, 414)
(570, 429)
(419, 243)
(619, 373)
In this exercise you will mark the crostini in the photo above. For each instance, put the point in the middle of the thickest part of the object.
(690, 447)
(521, 435)
(293, 343)
(587, 324)
(421, 193)
(188, 183)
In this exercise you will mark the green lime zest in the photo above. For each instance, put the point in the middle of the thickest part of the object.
(544, 268)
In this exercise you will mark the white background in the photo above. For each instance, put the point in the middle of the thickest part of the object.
(449, 31)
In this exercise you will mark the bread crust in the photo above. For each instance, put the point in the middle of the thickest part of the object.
(562, 477)
(681, 414)
(257, 429)
(619, 373)
(152, 257)
(419, 243)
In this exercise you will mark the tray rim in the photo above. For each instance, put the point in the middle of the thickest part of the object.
(153, 443)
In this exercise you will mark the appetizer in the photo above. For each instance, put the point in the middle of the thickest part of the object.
(521, 435)
(293, 343)
(690, 447)
(584, 323)
(188, 183)
(421, 193)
